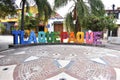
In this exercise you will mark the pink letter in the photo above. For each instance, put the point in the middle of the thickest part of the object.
(89, 37)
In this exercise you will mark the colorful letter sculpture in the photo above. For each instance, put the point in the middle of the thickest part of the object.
(22, 38)
(56, 37)
(89, 37)
(53, 37)
(80, 37)
(71, 37)
(32, 37)
(63, 35)
(49, 37)
(15, 36)
(41, 37)
(97, 37)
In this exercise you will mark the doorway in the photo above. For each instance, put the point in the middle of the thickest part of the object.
(58, 27)
(41, 28)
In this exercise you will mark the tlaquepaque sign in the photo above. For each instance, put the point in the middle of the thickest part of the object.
(57, 37)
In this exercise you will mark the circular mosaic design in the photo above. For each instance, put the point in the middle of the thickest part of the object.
(62, 62)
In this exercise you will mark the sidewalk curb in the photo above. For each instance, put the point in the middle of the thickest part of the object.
(40, 44)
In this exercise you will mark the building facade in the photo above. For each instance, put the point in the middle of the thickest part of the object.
(116, 13)
(55, 23)
(114, 36)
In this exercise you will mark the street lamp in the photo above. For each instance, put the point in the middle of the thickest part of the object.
(113, 12)
(113, 8)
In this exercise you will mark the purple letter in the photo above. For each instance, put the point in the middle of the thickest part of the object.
(97, 37)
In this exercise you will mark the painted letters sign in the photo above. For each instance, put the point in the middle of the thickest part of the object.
(56, 37)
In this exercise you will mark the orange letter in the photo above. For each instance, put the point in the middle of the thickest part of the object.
(71, 37)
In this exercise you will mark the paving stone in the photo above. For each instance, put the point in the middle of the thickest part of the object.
(86, 62)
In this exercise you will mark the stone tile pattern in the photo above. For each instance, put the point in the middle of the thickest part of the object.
(45, 67)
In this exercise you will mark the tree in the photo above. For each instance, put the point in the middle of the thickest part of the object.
(44, 11)
(6, 7)
(98, 23)
(81, 10)
(30, 22)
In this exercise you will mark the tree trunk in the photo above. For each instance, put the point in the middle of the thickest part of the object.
(77, 26)
(22, 14)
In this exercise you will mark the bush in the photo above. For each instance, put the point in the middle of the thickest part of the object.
(2, 28)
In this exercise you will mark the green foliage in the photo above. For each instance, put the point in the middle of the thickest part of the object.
(96, 23)
(44, 13)
(6, 7)
(97, 7)
(82, 10)
(59, 3)
(2, 28)
(30, 22)
(69, 23)
(44, 10)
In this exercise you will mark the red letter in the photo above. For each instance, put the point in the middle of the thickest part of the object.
(63, 35)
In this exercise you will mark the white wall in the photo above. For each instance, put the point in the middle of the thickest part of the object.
(118, 31)
(51, 23)
(118, 22)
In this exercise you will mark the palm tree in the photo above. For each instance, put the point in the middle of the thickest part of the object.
(44, 10)
(7, 7)
(81, 10)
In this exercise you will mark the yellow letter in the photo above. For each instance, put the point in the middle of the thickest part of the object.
(80, 37)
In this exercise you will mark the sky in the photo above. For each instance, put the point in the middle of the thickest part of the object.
(108, 3)
(62, 11)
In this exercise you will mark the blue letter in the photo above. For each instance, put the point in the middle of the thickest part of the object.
(22, 37)
(15, 36)
(32, 37)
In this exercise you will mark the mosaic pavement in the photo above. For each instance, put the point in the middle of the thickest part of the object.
(60, 62)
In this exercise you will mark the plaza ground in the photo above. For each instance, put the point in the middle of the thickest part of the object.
(59, 62)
